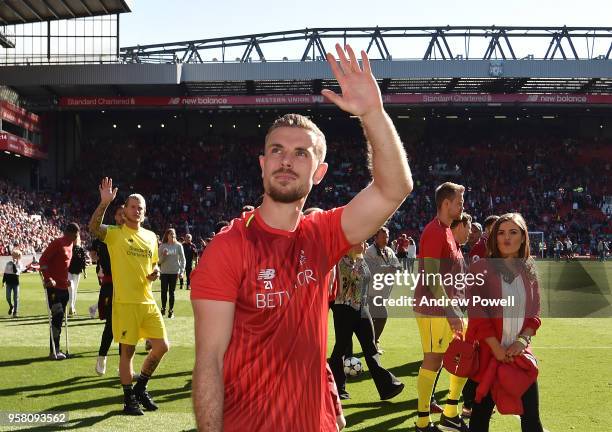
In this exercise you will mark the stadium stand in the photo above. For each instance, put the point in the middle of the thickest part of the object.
(211, 178)
(28, 220)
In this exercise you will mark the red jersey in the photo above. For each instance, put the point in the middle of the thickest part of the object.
(56, 258)
(402, 245)
(274, 367)
(437, 241)
(479, 250)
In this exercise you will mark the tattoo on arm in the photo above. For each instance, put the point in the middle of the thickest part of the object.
(95, 223)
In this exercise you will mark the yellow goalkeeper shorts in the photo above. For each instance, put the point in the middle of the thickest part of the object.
(135, 321)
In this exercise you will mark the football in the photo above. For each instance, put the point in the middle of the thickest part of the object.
(352, 367)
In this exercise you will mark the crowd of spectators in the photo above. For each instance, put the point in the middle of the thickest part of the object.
(557, 183)
(27, 221)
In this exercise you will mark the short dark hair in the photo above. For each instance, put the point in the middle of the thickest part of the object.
(464, 219)
(302, 122)
(383, 228)
(490, 220)
(447, 191)
(71, 228)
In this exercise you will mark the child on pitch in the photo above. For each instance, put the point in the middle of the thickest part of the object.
(10, 280)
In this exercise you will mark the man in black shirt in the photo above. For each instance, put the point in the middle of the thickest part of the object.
(10, 279)
(105, 299)
(78, 265)
(191, 254)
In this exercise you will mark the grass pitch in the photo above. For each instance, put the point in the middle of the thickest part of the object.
(575, 357)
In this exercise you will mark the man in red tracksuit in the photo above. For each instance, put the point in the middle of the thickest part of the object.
(54, 264)
(479, 250)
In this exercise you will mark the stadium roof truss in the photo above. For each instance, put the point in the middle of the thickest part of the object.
(562, 43)
(453, 60)
(515, 72)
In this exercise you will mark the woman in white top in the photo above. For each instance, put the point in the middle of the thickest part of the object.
(172, 264)
(411, 254)
(504, 331)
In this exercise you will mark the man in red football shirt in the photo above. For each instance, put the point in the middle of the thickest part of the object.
(439, 256)
(259, 292)
(479, 250)
(402, 250)
(475, 235)
(54, 263)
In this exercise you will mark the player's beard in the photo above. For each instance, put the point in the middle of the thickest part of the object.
(287, 196)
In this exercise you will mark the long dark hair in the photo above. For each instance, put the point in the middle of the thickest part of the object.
(525, 260)
(168, 231)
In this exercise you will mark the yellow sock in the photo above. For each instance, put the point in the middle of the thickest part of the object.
(425, 384)
(451, 409)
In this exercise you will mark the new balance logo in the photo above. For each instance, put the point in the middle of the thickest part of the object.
(267, 274)
(302, 258)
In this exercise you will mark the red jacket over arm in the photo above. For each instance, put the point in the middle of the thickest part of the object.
(487, 322)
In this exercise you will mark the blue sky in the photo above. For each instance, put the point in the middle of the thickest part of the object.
(157, 21)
